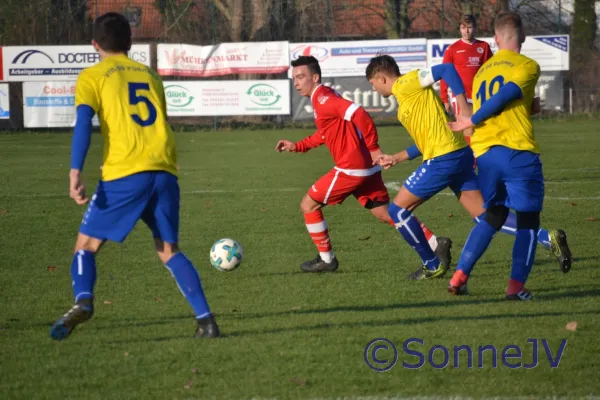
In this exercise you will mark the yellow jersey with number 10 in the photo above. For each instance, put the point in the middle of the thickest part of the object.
(512, 127)
(421, 112)
(129, 99)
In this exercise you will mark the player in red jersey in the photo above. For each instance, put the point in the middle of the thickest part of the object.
(467, 54)
(350, 134)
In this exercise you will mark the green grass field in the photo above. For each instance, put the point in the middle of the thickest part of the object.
(287, 334)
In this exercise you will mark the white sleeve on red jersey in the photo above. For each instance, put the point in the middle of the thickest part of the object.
(335, 106)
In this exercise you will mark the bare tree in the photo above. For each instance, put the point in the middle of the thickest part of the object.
(233, 12)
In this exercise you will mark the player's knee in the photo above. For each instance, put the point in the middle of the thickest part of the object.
(496, 216)
(528, 220)
(165, 250)
(87, 243)
(308, 204)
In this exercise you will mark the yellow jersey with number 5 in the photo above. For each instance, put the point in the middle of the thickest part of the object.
(129, 100)
(511, 127)
(421, 112)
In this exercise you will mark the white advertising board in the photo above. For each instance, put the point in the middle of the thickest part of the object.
(551, 51)
(45, 63)
(220, 98)
(50, 104)
(222, 59)
(341, 59)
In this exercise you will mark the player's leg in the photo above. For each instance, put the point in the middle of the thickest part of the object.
(374, 196)
(111, 214)
(331, 189)
(429, 178)
(525, 188)
(162, 217)
(467, 187)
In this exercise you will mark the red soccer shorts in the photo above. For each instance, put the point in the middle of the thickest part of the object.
(335, 186)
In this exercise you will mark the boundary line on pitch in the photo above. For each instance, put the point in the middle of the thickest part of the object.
(394, 185)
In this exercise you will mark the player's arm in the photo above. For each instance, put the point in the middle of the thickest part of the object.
(448, 59)
(523, 81)
(387, 161)
(448, 73)
(86, 104)
(309, 142)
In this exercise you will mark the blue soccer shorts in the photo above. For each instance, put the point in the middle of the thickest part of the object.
(117, 206)
(453, 170)
(512, 178)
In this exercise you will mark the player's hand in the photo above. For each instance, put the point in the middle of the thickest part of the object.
(386, 161)
(76, 188)
(460, 124)
(285, 145)
(375, 155)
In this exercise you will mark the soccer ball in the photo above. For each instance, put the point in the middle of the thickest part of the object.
(226, 254)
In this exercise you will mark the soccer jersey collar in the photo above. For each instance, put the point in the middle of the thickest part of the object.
(315, 91)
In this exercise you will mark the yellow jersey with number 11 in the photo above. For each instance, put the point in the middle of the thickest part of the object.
(512, 127)
(129, 99)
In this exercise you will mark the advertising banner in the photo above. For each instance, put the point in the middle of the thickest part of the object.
(341, 59)
(222, 59)
(220, 98)
(550, 52)
(550, 91)
(45, 63)
(355, 89)
(50, 104)
(4, 101)
(359, 91)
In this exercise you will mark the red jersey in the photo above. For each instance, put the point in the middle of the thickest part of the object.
(346, 129)
(467, 58)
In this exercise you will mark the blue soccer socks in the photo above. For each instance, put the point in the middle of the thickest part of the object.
(411, 231)
(188, 280)
(478, 241)
(83, 274)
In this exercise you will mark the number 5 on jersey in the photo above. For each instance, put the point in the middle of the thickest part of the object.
(135, 97)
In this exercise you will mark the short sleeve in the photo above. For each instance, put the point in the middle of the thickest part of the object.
(526, 76)
(408, 84)
(85, 91)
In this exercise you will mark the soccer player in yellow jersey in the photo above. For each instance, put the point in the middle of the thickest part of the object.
(447, 159)
(508, 157)
(139, 178)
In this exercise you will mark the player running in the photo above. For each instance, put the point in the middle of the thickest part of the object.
(447, 159)
(350, 134)
(468, 55)
(508, 159)
(139, 174)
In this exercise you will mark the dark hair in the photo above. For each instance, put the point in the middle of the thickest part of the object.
(382, 64)
(112, 32)
(509, 20)
(467, 19)
(311, 62)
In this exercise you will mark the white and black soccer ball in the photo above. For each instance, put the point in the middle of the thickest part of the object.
(226, 254)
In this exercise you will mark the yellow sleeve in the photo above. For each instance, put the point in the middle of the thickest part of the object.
(407, 84)
(86, 91)
(526, 77)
